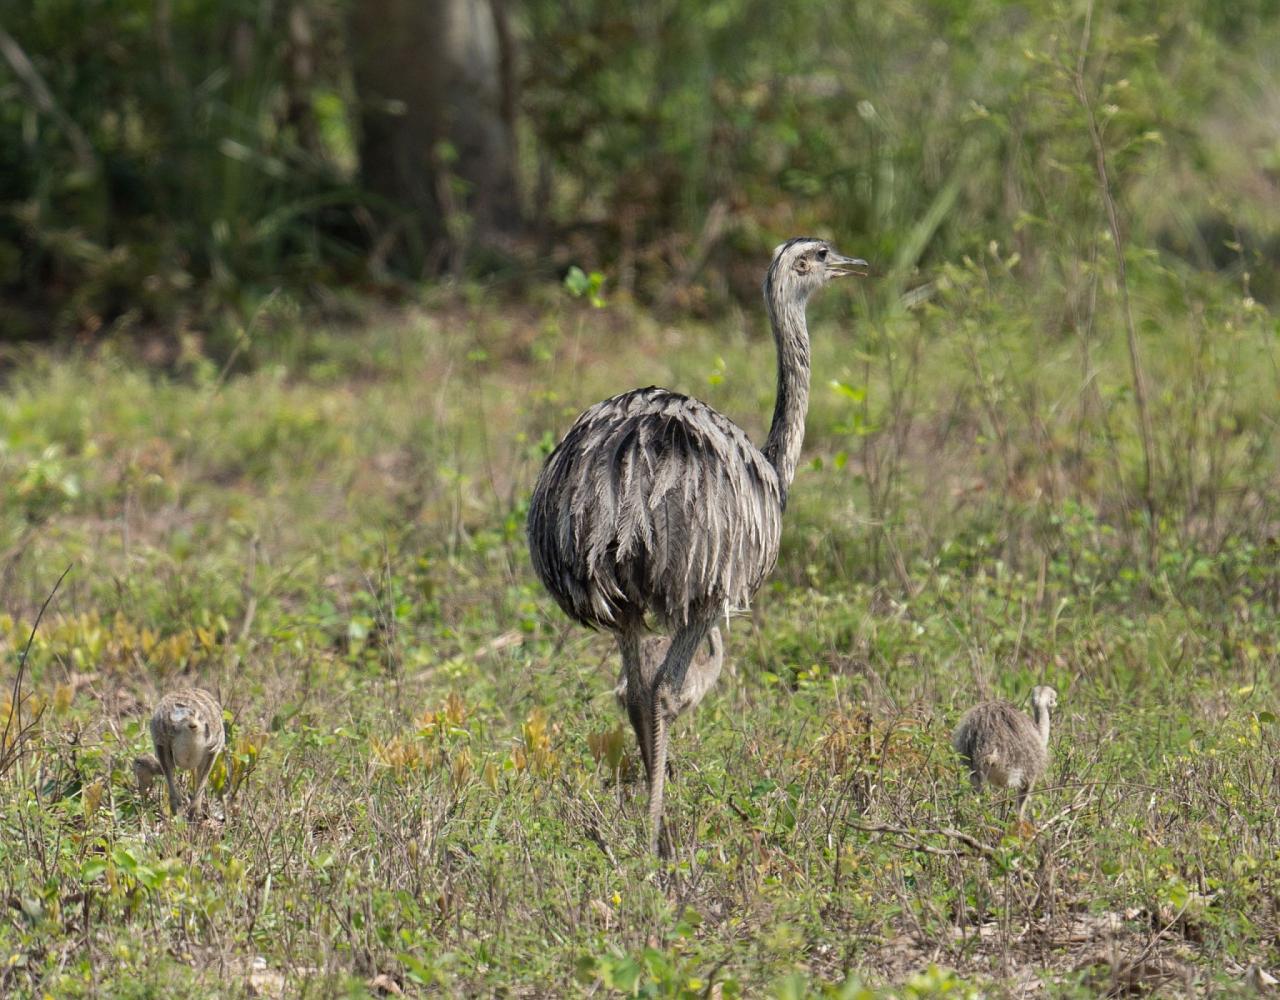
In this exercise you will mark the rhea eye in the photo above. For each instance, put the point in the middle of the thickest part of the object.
(822, 254)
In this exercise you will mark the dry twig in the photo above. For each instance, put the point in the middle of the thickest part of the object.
(9, 754)
(914, 838)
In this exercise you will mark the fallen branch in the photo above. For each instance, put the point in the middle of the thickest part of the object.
(1083, 798)
(913, 836)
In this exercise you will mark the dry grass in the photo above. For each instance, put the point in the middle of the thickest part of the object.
(428, 789)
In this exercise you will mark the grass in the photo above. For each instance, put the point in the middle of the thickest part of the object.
(429, 785)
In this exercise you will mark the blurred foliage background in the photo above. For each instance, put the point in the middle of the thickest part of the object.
(166, 164)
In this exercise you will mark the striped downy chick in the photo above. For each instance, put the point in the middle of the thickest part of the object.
(1005, 748)
(186, 729)
(146, 769)
(704, 670)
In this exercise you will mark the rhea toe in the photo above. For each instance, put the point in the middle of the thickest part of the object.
(186, 729)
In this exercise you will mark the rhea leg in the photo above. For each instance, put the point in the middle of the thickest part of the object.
(663, 706)
(1023, 792)
(634, 693)
(165, 755)
(201, 776)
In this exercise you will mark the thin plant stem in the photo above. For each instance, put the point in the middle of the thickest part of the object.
(1131, 331)
(6, 759)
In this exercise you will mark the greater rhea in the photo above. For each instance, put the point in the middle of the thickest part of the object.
(1003, 747)
(656, 508)
(186, 729)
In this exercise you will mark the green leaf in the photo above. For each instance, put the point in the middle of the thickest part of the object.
(125, 859)
(415, 969)
(855, 393)
(620, 973)
(576, 282)
(585, 968)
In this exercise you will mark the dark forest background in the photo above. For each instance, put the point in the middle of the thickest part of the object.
(167, 164)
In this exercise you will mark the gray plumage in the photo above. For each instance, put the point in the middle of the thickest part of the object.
(1005, 748)
(187, 731)
(656, 508)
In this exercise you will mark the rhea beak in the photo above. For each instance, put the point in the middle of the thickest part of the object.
(839, 265)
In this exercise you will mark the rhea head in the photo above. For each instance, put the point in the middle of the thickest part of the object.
(1044, 697)
(803, 265)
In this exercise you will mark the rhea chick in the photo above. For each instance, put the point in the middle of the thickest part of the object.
(145, 771)
(1003, 747)
(704, 669)
(186, 729)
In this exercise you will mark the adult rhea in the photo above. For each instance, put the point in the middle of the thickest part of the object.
(655, 507)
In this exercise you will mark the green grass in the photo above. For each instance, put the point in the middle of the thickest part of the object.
(422, 781)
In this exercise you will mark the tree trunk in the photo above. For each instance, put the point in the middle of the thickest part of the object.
(436, 138)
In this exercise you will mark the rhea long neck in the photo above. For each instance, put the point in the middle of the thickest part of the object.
(786, 433)
(1040, 713)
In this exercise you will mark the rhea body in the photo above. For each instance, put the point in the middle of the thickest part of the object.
(187, 732)
(656, 509)
(1005, 748)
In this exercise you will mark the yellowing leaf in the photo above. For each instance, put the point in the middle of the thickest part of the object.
(91, 797)
(63, 695)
